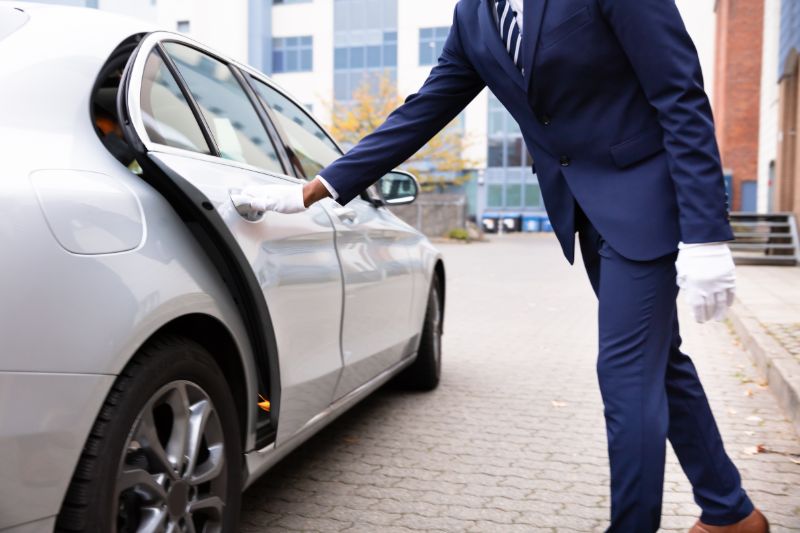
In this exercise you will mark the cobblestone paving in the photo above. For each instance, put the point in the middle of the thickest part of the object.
(787, 335)
(513, 440)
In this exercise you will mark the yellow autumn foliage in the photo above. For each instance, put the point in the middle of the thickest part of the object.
(439, 162)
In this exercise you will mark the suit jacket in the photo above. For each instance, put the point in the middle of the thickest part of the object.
(611, 107)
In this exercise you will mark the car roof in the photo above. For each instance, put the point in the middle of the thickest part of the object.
(74, 18)
(64, 49)
(49, 66)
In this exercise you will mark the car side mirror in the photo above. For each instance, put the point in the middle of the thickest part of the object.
(398, 188)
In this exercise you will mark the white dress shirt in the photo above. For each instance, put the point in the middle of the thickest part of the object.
(328, 186)
(517, 5)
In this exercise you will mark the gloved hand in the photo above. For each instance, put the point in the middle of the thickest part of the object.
(285, 199)
(707, 276)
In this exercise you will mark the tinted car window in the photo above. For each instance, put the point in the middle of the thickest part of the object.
(233, 120)
(313, 148)
(167, 117)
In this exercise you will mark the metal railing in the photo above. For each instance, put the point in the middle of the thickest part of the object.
(765, 239)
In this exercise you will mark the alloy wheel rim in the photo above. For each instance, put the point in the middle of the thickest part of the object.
(172, 474)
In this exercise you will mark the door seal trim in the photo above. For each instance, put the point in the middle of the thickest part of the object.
(215, 238)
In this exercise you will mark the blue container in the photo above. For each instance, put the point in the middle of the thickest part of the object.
(546, 226)
(531, 223)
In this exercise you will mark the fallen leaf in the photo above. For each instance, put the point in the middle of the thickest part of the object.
(755, 450)
(556, 403)
(754, 418)
(748, 392)
(795, 461)
(349, 439)
(732, 411)
(749, 433)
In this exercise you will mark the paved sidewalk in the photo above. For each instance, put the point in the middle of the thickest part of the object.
(514, 438)
(767, 319)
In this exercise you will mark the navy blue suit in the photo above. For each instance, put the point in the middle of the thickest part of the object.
(612, 107)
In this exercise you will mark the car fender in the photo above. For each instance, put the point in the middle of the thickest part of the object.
(65, 312)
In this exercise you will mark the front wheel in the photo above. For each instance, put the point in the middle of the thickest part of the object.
(425, 372)
(164, 454)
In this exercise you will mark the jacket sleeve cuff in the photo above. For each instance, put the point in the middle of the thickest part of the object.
(700, 233)
(331, 190)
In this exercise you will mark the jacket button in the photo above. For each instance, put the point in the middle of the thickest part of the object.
(565, 161)
(546, 120)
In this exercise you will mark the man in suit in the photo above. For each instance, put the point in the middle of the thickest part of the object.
(609, 97)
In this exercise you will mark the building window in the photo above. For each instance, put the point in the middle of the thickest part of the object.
(533, 195)
(513, 195)
(510, 183)
(183, 26)
(292, 54)
(365, 44)
(494, 195)
(279, 2)
(431, 43)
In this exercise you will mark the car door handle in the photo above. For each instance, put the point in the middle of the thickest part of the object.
(244, 206)
(345, 214)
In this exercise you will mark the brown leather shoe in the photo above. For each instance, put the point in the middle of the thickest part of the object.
(755, 523)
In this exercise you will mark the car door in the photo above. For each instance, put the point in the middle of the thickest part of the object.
(375, 251)
(197, 117)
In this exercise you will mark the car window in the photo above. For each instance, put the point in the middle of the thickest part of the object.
(309, 142)
(234, 123)
(167, 117)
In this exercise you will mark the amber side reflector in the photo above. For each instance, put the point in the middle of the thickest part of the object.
(264, 403)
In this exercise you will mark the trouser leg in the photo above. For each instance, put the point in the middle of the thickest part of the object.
(651, 389)
(695, 438)
(637, 301)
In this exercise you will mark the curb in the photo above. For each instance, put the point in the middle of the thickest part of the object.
(775, 363)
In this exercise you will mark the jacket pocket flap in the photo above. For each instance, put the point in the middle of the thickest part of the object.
(563, 29)
(638, 148)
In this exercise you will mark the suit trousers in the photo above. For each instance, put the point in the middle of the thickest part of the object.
(651, 393)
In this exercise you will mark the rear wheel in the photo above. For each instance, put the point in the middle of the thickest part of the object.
(425, 372)
(164, 454)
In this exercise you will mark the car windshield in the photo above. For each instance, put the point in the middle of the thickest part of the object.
(11, 19)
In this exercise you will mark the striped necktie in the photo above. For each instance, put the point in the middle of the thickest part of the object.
(509, 30)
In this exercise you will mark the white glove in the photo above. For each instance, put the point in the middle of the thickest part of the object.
(285, 199)
(707, 276)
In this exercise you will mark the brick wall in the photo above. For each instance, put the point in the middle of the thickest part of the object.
(737, 88)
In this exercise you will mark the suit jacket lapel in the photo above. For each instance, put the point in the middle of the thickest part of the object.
(532, 18)
(491, 36)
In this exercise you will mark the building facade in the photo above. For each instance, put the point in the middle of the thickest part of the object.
(737, 93)
(787, 168)
(768, 127)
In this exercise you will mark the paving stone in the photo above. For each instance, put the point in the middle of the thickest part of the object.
(514, 438)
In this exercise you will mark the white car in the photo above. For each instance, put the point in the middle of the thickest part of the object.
(161, 345)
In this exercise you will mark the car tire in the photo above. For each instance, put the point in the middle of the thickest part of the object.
(165, 449)
(426, 370)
